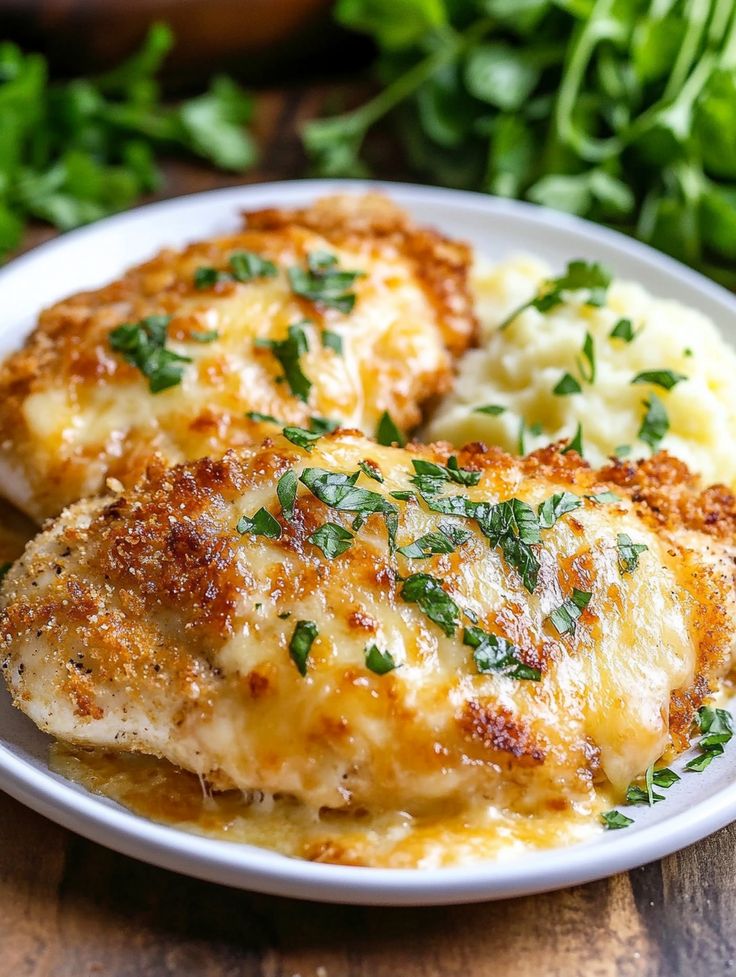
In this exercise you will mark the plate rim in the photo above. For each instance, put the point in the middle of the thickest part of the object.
(247, 866)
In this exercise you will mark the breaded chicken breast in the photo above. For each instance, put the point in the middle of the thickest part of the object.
(335, 313)
(362, 626)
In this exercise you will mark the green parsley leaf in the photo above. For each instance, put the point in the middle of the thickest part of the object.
(371, 470)
(716, 724)
(450, 473)
(565, 617)
(403, 495)
(332, 539)
(613, 820)
(387, 433)
(624, 329)
(255, 415)
(301, 643)
(513, 526)
(286, 492)
(261, 524)
(700, 762)
(380, 662)
(322, 425)
(331, 340)
(577, 442)
(578, 276)
(301, 437)
(204, 337)
(245, 266)
(495, 655)
(338, 491)
(603, 498)
(587, 372)
(323, 283)
(433, 600)
(208, 277)
(288, 352)
(143, 345)
(622, 450)
(655, 424)
(446, 540)
(493, 410)
(556, 506)
(664, 777)
(566, 385)
(667, 379)
(533, 429)
(456, 534)
(628, 553)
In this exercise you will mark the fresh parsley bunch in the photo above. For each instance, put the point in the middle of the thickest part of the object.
(623, 111)
(75, 151)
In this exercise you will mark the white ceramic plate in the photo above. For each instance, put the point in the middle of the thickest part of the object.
(695, 807)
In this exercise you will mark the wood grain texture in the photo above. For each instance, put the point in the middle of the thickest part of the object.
(72, 909)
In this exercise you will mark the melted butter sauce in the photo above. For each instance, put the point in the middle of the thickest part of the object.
(442, 836)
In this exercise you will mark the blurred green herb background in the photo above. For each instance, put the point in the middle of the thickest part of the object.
(621, 111)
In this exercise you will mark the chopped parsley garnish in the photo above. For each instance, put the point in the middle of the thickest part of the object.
(495, 655)
(331, 340)
(301, 644)
(446, 540)
(261, 524)
(371, 470)
(288, 352)
(652, 778)
(493, 410)
(301, 437)
(322, 425)
(624, 329)
(577, 442)
(566, 616)
(717, 728)
(286, 492)
(403, 495)
(566, 385)
(339, 491)
(533, 429)
(586, 366)
(556, 506)
(379, 661)
(450, 473)
(628, 553)
(324, 283)
(513, 526)
(204, 337)
(332, 539)
(622, 450)
(667, 379)
(579, 275)
(143, 345)
(256, 415)
(387, 433)
(615, 819)
(433, 600)
(655, 424)
(603, 498)
(244, 267)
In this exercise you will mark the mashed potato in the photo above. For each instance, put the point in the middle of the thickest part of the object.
(517, 369)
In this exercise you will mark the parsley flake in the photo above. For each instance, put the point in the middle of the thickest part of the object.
(513, 526)
(613, 820)
(566, 385)
(577, 442)
(339, 491)
(717, 727)
(245, 266)
(603, 498)
(261, 524)
(380, 662)
(143, 345)
(208, 336)
(587, 366)
(624, 329)
(565, 617)
(371, 470)
(301, 437)
(286, 492)
(301, 643)
(628, 553)
(449, 473)
(288, 352)
(495, 655)
(256, 415)
(667, 379)
(590, 276)
(655, 424)
(433, 600)
(556, 506)
(387, 433)
(323, 283)
(332, 539)
(331, 340)
(446, 540)
(493, 410)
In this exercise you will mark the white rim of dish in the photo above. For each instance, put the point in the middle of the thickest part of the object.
(266, 871)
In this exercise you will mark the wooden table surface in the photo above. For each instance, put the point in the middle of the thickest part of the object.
(69, 908)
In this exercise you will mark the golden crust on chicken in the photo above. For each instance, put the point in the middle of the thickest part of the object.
(382, 628)
(338, 312)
